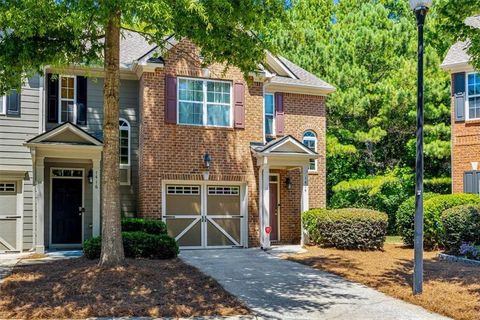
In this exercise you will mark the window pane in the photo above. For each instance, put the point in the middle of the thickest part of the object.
(474, 108)
(13, 103)
(313, 165)
(218, 115)
(190, 90)
(68, 85)
(218, 92)
(269, 107)
(268, 125)
(67, 111)
(190, 113)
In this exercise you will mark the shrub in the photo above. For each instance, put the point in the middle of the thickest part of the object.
(461, 225)
(383, 193)
(137, 245)
(144, 225)
(346, 228)
(441, 185)
(470, 251)
(434, 205)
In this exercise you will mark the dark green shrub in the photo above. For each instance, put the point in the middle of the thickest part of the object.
(434, 205)
(461, 225)
(383, 193)
(441, 185)
(346, 228)
(144, 225)
(92, 248)
(137, 245)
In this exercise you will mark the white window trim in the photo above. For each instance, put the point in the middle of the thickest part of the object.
(467, 97)
(60, 99)
(128, 165)
(204, 103)
(315, 140)
(3, 106)
(265, 136)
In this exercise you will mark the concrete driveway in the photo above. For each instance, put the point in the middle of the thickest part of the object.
(278, 289)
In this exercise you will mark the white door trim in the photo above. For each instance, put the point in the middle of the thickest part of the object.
(278, 203)
(74, 245)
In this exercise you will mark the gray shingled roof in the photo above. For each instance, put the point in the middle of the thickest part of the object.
(304, 77)
(457, 53)
(134, 46)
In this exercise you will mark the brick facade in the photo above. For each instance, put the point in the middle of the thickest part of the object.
(175, 152)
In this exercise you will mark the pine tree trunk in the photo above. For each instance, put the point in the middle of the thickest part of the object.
(112, 246)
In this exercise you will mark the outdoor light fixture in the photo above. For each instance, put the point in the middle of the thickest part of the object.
(90, 176)
(205, 72)
(474, 166)
(420, 8)
(207, 160)
(288, 183)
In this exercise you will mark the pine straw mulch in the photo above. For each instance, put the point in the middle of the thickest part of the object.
(78, 288)
(451, 289)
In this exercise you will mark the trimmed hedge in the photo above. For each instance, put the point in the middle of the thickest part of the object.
(346, 228)
(442, 185)
(461, 225)
(144, 225)
(433, 205)
(137, 245)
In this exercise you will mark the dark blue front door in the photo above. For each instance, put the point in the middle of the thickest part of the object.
(66, 213)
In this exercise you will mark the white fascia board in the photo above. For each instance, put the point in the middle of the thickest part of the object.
(93, 71)
(299, 89)
(463, 66)
(278, 66)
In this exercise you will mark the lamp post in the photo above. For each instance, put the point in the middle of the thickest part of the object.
(420, 9)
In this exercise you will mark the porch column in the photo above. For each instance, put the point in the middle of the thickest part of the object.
(40, 206)
(264, 203)
(96, 198)
(304, 206)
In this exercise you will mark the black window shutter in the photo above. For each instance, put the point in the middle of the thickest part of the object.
(81, 100)
(52, 98)
(13, 103)
(459, 96)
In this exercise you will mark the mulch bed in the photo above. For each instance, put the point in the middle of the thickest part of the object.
(450, 288)
(78, 288)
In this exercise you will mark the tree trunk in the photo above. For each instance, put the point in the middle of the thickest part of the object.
(112, 246)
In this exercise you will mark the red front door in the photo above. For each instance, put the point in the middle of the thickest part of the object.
(274, 211)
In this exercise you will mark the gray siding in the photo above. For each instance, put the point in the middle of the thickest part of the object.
(14, 131)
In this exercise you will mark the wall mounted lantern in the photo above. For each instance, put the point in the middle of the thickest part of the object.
(90, 176)
(474, 166)
(206, 160)
(288, 183)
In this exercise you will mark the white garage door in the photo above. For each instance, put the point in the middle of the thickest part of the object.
(203, 215)
(9, 219)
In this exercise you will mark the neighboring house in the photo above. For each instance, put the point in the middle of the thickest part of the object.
(220, 159)
(465, 116)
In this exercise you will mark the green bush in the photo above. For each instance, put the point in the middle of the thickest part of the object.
(346, 228)
(383, 193)
(144, 225)
(461, 225)
(434, 205)
(137, 245)
(442, 185)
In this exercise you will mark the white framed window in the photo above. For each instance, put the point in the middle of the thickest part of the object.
(125, 151)
(223, 191)
(7, 187)
(310, 141)
(204, 102)
(67, 102)
(183, 190)
(3, 105)
(269, 115)
(10, 104)
(473, 96)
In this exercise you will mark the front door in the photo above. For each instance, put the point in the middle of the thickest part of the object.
(274, 211)
(67, 211)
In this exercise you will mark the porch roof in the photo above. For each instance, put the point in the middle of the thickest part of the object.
(285, 146)
(65, 134)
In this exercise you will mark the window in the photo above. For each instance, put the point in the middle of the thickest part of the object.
(124, 152)
(183, 190)
(10, 104)
(223, 191)
(204, 102)
(269, 110)
(67, 99)
(7, 187)
(473, 92)
(310, 141)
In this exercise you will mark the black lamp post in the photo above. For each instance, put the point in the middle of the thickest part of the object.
(420, 8)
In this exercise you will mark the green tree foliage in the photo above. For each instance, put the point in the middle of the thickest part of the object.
(367, 50)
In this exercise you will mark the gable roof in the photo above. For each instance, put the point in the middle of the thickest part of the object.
(133, 45)
(286, 145)
(457, 54)
(66, 133)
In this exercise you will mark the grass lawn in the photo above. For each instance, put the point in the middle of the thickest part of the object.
(78, 288)
(451, 289)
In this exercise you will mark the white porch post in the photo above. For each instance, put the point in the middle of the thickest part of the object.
(40, 206)
(264, 203)
(304, 202)
(96, 198)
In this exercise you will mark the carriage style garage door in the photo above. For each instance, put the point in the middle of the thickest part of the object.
(203, 215)
(10, 220)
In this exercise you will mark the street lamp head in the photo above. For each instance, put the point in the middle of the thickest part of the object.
(416, 4)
